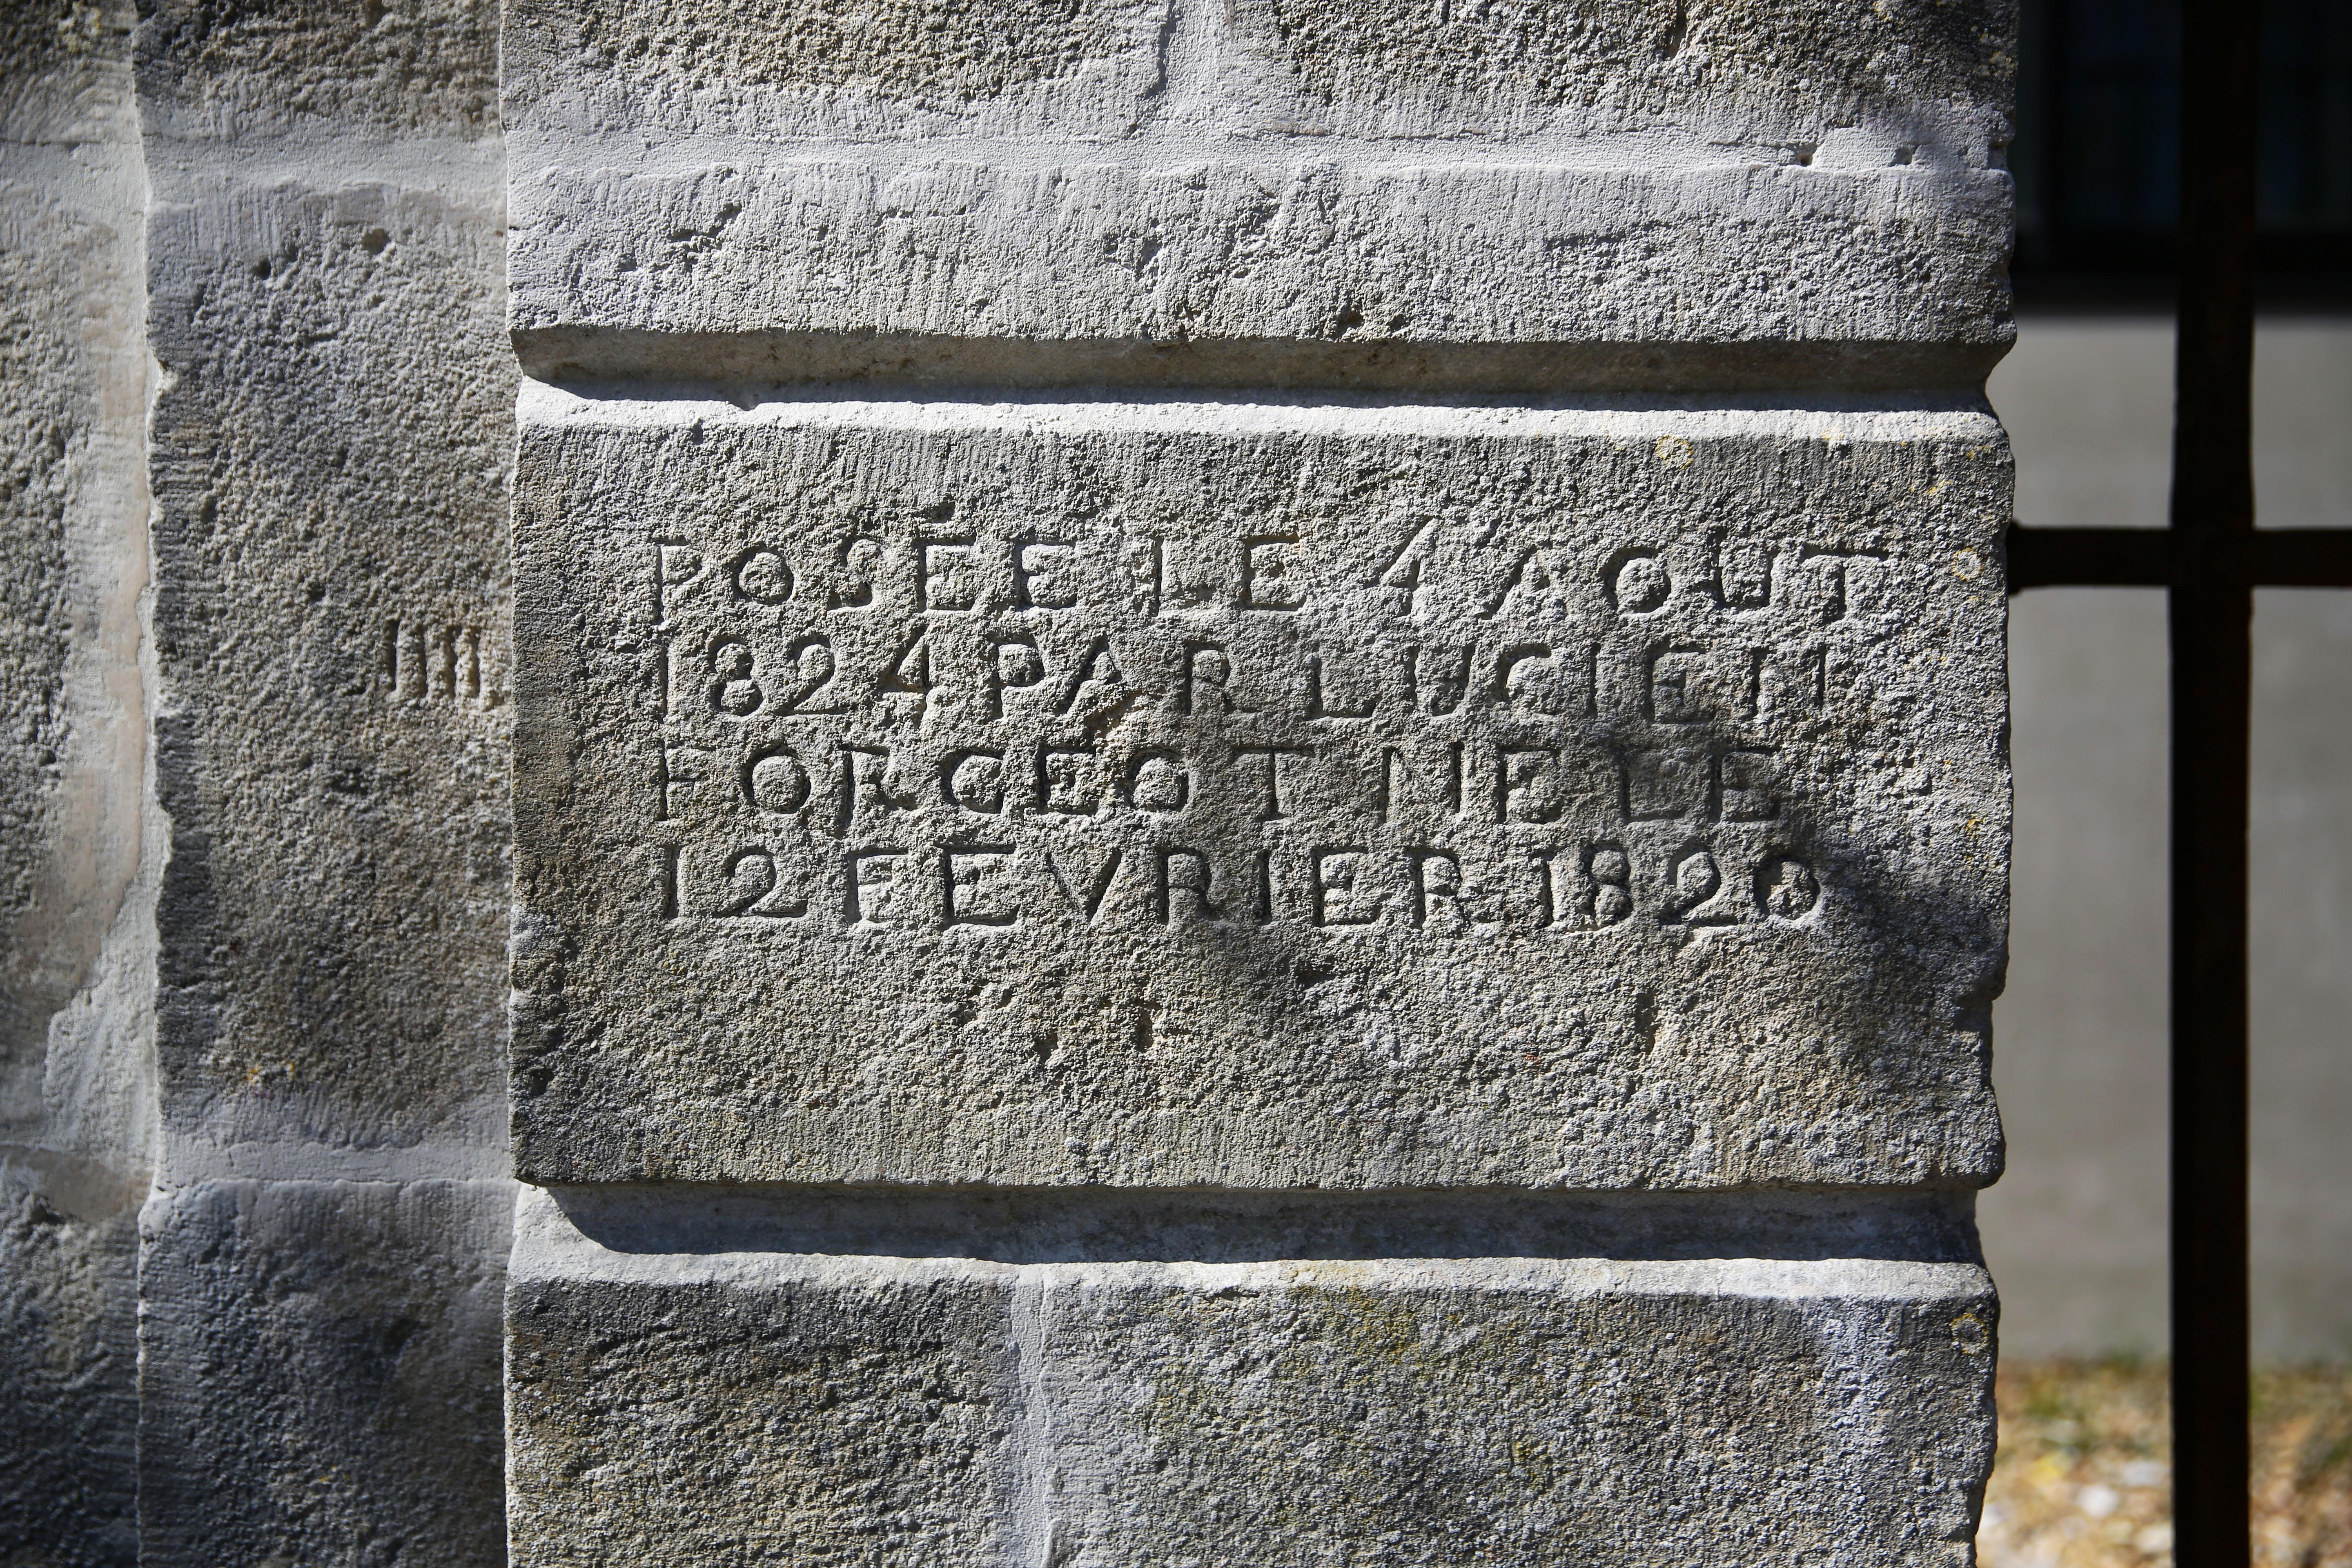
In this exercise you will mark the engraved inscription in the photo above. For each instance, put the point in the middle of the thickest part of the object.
(425, 661)
(1254, 793)
(970, 728)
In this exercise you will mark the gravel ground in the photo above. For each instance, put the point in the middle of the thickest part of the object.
(2085, 1462)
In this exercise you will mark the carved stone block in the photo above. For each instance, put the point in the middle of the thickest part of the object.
(330, 545)
(319, 1372)
(1342, 971)
(1366, 193)
(1257, 795)
(741, 1406)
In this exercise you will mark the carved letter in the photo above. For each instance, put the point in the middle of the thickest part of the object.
(855, 884)
(1205, 683)
(1527, 786)
(964, 868)
(1014, 665)
(974, 780)
(1036, 587)
(1197, 884)
(762, 575)
(675, 565)
(945, 585)
(1328, 876)
(1636, 583)
(860, 785)
(774, 780)
(1272, 755)
(1069, 780)
(1156, 781)
(1445, 793)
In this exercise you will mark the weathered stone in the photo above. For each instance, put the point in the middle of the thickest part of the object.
(1104, 974)
(1272, 796)
(1289, 192)
(68, 1365)
(319, 1372)
(72, 386)
(1310, 272)
(329, 448)
(1923, 73)
(239, 75)
(756, 1407)
(776, 69)
(1388, 975)
(1514, 1410)
(77, 882)
(329, 543)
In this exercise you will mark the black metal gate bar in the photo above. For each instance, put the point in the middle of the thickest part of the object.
(2211, 616)
(2211, 559)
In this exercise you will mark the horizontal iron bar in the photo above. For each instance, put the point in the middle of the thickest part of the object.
(2089, 558)
(2302, 557)
(2144, 558)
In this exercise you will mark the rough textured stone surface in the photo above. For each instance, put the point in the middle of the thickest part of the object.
(1662, 196)
(71, 363)
(1503, 71)
(1257, 795)
(799, 67)
(763, 1407)
(1717, 275)
(1925, 70)
(77, 884)
(322, 1377)
(1350, 967)
(69, 1367)
(329, 448)
(329, 479)
(1393, 979)
(241, 74)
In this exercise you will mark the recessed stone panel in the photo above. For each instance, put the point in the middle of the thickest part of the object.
(1257, 795)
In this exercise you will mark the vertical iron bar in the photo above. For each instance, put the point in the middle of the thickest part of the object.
(2211, 608)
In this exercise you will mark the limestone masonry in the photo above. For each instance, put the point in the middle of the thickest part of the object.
(1255, 795)
(1243, 766)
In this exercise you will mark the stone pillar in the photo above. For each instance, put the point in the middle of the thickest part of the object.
(329, 446)
(1260, 795)
(77, 886)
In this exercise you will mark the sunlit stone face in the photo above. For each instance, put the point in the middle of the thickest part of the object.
(1260, 797)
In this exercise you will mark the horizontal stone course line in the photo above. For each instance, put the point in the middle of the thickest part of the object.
(1942, 148)
(178, 167)
(1840, 417)
(187, 1161)
(1082, 1225)
(592, 354)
